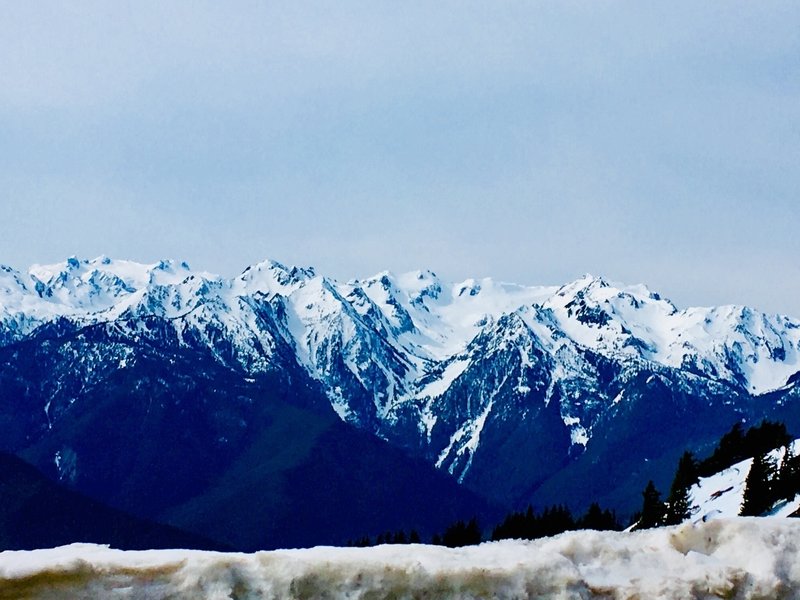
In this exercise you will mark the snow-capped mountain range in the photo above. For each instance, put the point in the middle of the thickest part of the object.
(502, 385)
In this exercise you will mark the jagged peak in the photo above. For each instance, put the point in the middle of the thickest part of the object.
(294, 271)
(414, 278)
(11, 281)
(642, 290)
(468, 287)
(420, 285)
(438, 320)
(50, 272)
(385, 279)
(524, 327)
(583, 284)
(98, 283)
(270, 264)
(102, 260)
(271, 276)
(8, 270)
(419, 277)
(103, 263)
(597, 289)
(170, 265)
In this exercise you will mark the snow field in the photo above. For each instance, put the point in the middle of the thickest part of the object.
(724, 558)
(721, 495)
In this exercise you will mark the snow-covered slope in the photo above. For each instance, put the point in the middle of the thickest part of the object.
(741, 558)
(452, 371)
(720, 495)
(427, 320)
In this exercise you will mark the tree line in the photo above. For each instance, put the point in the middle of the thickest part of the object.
(767, 483)
(525, 525)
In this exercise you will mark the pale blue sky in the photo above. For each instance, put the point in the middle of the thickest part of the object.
(528, 141)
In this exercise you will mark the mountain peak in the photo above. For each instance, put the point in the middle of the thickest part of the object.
(588, 281)
(271, 276)
(435, 320)
(420, 275)
(581, 286)
(73, 262)
(11, 282)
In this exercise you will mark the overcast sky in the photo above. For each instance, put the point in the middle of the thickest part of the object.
(528, 141)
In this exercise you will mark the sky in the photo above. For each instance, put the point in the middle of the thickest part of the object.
(533, 142)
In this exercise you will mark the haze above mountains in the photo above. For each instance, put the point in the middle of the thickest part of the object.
(525, 142)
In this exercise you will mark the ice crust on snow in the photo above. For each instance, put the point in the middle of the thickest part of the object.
(731, 558)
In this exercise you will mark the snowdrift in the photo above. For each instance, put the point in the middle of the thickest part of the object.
(726, 558)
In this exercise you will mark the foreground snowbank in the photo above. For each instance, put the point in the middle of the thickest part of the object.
(736, 558)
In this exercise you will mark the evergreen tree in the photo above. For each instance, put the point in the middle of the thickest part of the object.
(729, 451)
(678, 502)
(554, 520)
(400, 537)
(473, 532)
(598, 519)
(529, 525)
(767, 436)
(736, 445)
(518, 526)
(789, 475)
(652, 508)
(462, 534)
(759, 489)
(592, 518)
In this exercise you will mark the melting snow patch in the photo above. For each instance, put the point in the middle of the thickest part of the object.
(579, 436)
(735, 558)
